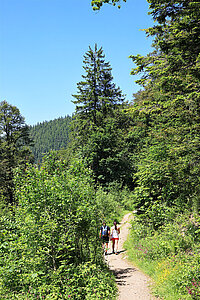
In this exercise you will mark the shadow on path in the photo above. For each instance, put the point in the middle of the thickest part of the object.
(122, 274)
(110, 253)
(121, 251)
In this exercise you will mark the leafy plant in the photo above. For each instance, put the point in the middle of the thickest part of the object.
(169, 255)
(53, 242)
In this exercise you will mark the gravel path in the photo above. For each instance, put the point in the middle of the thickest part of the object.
(132, 283)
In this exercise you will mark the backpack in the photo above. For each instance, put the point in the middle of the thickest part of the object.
(104, 230)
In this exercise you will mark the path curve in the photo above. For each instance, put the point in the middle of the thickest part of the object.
(132, 283)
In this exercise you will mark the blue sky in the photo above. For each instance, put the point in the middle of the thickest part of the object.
(42, 48)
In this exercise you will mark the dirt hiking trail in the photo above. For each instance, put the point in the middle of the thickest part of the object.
(132, 283)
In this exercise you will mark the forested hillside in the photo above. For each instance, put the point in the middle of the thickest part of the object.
(50, 135)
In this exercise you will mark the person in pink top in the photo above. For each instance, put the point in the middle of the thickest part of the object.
(115, 231)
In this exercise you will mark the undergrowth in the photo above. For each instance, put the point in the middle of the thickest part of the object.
(49, 242)
(169, 255)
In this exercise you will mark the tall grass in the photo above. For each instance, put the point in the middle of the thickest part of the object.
(171, 256)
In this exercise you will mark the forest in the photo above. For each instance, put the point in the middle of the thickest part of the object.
(60, 179)
(49, 135)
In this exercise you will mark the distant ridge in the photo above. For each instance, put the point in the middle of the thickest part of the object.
(50, 135)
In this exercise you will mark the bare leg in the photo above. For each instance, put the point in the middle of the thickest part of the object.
(116, 248)
(113, 245)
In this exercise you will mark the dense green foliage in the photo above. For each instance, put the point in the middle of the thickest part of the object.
(14, 148)
(50, 248)
(169, 255)
(50, 135)
(168, 108)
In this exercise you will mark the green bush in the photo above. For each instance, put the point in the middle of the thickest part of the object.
(170, 255)
(87, 281)
(50, 247)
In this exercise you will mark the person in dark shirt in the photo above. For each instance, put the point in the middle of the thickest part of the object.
(104, 234)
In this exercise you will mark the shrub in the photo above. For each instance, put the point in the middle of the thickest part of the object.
(51, 249)
(170, 255)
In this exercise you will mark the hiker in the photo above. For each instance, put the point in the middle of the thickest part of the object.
(104, 234)
(115, 231)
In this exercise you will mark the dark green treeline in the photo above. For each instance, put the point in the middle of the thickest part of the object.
(50, 135)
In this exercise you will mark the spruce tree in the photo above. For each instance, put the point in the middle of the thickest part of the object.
(97, 95)
(99, 125)
(14, 147)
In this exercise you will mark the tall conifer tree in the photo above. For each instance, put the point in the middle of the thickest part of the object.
(14, 147)
(97, 95)
(99, 125)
